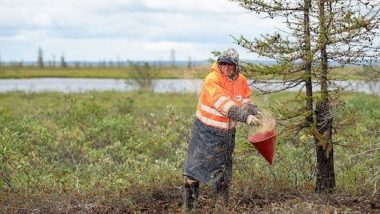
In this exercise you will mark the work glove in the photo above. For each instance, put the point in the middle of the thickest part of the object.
(251, 109)
(253, 121)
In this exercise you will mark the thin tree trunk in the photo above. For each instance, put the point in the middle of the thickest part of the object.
(324, 148)
(307, 62)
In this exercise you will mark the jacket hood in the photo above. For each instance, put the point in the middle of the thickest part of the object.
(230, 56)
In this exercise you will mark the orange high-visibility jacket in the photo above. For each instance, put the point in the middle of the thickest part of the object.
(220, 93)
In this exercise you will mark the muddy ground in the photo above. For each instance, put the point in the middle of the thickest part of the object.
(158, 201)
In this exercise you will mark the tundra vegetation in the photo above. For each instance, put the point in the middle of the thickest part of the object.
(123, 152)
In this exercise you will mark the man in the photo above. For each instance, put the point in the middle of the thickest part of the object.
(224, 101)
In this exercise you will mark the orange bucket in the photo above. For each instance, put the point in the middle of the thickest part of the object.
(264, 142)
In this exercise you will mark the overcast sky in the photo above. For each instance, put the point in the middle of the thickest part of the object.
(124, 29)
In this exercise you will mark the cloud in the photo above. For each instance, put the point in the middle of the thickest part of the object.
(135, 29)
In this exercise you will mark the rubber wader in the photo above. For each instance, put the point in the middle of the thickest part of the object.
(191, 193)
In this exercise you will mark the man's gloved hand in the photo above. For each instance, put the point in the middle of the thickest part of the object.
(252, 120)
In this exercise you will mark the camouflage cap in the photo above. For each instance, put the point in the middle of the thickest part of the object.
(230, 56)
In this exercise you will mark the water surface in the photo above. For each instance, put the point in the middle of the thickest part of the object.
(70, 85)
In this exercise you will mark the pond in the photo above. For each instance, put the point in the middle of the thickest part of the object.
(70, 85)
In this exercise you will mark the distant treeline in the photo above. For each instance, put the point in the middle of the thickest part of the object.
(62, 63)
(126, 63)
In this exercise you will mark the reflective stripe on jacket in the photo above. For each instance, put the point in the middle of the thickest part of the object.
(220, 93)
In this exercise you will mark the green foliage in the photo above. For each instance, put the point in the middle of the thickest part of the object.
(142, 75)
(136, 142)
(370, 72)
(81, 141)
(215, 54)
(263, 71)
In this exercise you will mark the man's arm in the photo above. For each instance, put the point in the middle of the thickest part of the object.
(238, 114)
(250, 108)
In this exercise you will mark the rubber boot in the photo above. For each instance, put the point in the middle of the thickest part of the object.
(222, 195)
(191, 194)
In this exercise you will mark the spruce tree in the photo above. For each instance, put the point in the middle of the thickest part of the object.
(319, 35)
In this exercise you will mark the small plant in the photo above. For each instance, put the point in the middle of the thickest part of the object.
(141, 75)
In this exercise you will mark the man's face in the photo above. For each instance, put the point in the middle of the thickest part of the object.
(227, 69)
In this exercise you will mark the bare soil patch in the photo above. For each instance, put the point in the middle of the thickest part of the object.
(170, 201)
